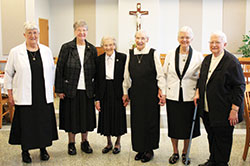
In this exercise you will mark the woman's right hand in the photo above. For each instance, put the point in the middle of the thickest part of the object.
(61, 95)
(11, 100)
(10, 97)
(125, 100)
(98, 106)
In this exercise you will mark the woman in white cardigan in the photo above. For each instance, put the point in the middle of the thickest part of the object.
(181, 70)
(29, 79)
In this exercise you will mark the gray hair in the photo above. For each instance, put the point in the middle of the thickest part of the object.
(142, 31)
(80, 23)
(30, 26)
(188, 30)
(104, 38)
(221, 34)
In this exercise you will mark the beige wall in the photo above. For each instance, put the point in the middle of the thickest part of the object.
(86, 10)
(191, 15)
(234, 22)
(13, 17)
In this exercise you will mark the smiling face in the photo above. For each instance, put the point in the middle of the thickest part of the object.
(32, 36)
(81, 33)
(140, 40)
(184, 38)
(108, 46)
(216, 44)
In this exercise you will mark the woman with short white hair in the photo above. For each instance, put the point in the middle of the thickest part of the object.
(109, 78)
(29, 80)
(181, 70)
(74, 84)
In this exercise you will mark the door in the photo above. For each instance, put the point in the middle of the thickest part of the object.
(44, 31)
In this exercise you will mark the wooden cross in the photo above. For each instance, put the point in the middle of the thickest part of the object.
(138, 13)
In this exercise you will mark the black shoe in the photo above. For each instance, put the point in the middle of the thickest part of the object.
(86, 147)
(26, 157)
(116, 150)
(71, 148)
(44, 154)
(107, 149)
(184, 159)
(174, 158)
(208, 163)
(139, 155)
(147, 156)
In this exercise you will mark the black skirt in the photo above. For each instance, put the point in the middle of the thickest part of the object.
(34, 126)
(77, 115)
(112, 118)
(180, 117)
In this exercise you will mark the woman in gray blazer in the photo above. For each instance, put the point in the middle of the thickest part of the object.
(74, 84)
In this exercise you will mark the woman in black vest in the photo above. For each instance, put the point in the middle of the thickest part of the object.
(75, 73)
(145, 80)
(109, 78)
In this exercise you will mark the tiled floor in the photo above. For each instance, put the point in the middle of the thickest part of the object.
(11, 155)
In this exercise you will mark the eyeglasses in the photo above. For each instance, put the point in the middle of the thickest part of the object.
(214, 42)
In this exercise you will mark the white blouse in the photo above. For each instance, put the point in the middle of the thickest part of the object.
(159, 71)
(109, 66)
(81, 82)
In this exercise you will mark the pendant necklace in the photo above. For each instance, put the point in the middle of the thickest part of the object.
(33, 54)
(139, 58)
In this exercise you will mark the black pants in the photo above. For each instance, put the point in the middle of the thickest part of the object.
(220, 139)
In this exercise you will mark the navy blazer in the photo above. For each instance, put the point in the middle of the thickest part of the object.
(69, 67)
(225, 87)
(120, 60)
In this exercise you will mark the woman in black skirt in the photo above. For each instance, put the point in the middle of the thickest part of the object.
(112, 113)
(29, 79)
(75, 73)
(181, 68)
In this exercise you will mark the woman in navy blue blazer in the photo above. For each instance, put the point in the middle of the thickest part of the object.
(109, 78)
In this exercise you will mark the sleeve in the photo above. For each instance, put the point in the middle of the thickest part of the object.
(160, 74)
(237, 83)
(9, 71)
(127, 80)
(60, 66)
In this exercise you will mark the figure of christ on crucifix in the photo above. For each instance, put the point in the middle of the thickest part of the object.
(138, 13)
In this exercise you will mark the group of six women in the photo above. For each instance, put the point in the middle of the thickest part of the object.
(108, 83)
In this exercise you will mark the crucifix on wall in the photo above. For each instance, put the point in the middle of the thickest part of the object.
(138, 13)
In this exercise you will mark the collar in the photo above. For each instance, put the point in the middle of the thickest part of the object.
(110, 57)
(145, 50)
(218, 57)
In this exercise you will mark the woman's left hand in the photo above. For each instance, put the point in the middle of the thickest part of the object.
(233, 117)
(162, 98)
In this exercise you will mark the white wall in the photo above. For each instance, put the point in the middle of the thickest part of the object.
(61, 23)
(248, 17)
(42, 10)
(106, 19)
(211, 21)
(30, 10)
(1, 43)
(127, 23)
(169, 25)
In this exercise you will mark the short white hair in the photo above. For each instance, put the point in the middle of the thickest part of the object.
(221, 34)
(30, 26)
(188, 30)
(104, 38)
(80, 23)
(143, 32)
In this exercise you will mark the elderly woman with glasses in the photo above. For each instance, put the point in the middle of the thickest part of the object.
(112, 113)
(29, 80)
(181, 70)
(74, 84)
